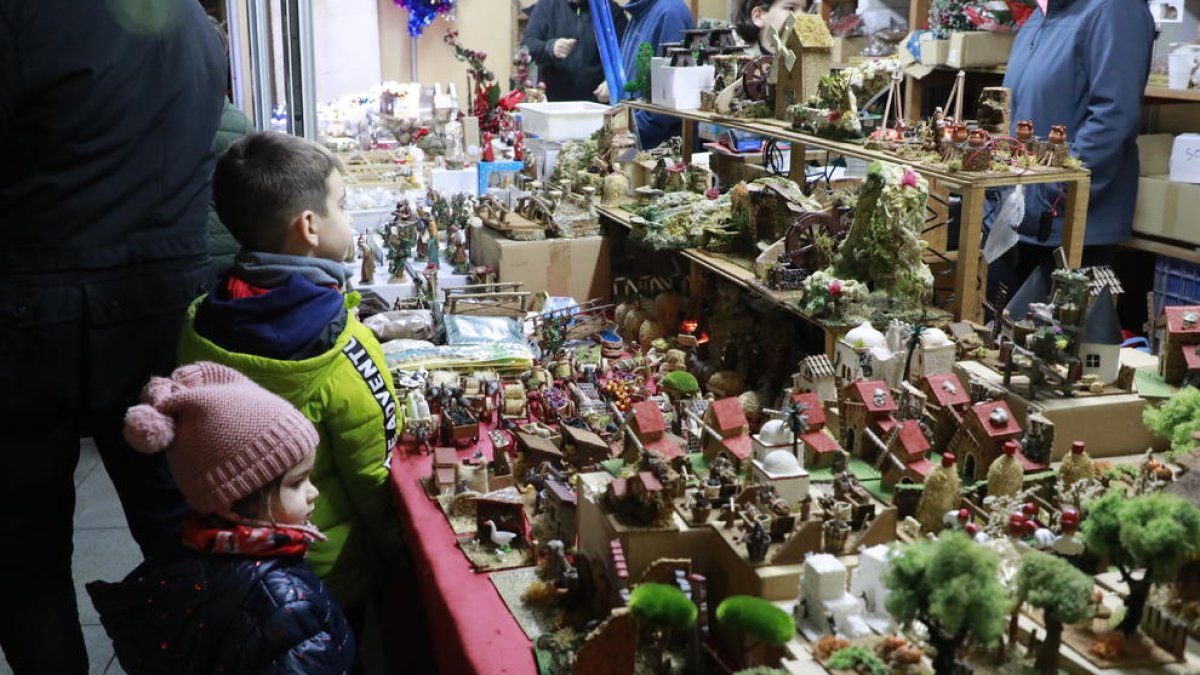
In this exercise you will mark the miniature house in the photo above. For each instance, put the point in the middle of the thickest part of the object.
(908, 460)
(727, 432)
(561, 508)
(867, 582)
(1103, 277)
(781, 470)
(445, 469)
(774, 435)
(853, 358)
(537, 449)
(934, 356)
(1179, 363)
(946, 399)
(816, 375)
(823, 595)
(866, 406)
(821, 450)
(648, 428)
(582, 448)
(980, 440)
(807, 38)
(506, 509)
(1100, 348)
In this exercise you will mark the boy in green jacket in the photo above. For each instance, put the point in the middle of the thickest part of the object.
(280, 317)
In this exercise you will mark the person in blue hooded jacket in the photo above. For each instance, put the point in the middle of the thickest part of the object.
(656, 22)
(1082, 63)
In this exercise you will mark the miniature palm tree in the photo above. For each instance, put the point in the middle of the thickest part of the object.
(664, 608)
(1061, 591)
(914, 341)
(797, 422)
(1153, 532)
(950, 585)
(756, 618)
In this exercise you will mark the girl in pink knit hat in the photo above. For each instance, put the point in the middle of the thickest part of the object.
(241, 600)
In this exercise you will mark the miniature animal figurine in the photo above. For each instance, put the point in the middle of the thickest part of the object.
(500, 538)
(367, 275)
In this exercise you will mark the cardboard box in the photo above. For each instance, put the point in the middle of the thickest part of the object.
(978, 48)
(576, 268)
(1185, 159)
(1154, 153)
(845, 49)
(934, 52)
(1167, 209)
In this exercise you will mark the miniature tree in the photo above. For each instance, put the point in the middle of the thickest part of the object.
(950, 585)
(662, 607)
(756, 618)
(640, 84)
(1061, 591)
(1177, 419)
(1153, 532)
(914, 341)
(680, 384)
(797, 422)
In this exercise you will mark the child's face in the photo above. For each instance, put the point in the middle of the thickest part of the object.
(333, 229)
(774, 17)
(294, 501)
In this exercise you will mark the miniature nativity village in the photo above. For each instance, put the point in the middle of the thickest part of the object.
(789, 435)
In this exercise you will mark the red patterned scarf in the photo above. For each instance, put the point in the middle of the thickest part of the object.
(217, 536)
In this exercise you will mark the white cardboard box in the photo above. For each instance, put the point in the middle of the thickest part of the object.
(679, 88)
(1185, 159)
(451, 182)
(562, 120)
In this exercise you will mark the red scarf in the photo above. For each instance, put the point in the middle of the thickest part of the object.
(217, 536)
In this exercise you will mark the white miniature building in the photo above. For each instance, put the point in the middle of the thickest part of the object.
(816, 375)
(867, 585)
(781, 470)
(774, 435)
(852, 357)
(823, 597)
(935, 356)
(1100, 349)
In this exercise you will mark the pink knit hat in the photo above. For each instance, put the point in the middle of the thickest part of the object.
(225, 436)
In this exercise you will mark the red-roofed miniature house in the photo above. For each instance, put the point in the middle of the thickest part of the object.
(816, 375)
(909, 461)
(648, 428)
(945, 400)
(980, 439)
(506, 509)
(1179, 363)
(866, 404)
(561, 510)
(728, 431)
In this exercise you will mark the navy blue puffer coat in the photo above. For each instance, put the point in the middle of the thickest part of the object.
(203, 614)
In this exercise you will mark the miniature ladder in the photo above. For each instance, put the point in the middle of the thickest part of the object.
(610, 49)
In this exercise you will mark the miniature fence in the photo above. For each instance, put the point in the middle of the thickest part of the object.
(1167, 631)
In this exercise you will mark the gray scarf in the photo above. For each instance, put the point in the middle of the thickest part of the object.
(270, 270)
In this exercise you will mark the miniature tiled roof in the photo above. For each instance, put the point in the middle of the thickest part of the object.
(820, 442)
(817, 365)
(1028, 465)
(649, 417)
(983, 411)
(912, 440)
(445, 457)
(1102, 326)
(619, 487)
(1176, 322)
(666, 446)
(866, 390)
(922, 467)
(582, 435)
(560, 491)
(1103, 276)
(947, 389)
(886, 424)
(649, 481)
(1035, 289)
(815, 411)
(739, 446)
(728, 415)
(1191, 356)
(538, 445)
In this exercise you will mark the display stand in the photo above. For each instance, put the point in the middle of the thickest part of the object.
(969, 275)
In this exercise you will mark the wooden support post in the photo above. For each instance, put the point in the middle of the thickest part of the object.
(1078, 194)
(689, 139)
(796, 164)
(966, 272)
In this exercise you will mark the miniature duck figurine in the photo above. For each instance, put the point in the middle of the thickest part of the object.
(500, 538)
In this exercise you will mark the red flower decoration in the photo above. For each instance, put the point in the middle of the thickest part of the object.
(835, 288)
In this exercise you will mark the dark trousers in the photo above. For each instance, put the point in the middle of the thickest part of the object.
(40, 428)
(1014, 267)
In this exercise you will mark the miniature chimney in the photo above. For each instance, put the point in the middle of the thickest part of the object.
(948, 460)
(1077, 448)
(1010, 448)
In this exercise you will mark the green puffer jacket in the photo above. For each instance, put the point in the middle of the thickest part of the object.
(221, 244)
(347, 393)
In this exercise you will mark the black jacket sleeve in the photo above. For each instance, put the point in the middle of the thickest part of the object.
(8, 76)
(539, 39)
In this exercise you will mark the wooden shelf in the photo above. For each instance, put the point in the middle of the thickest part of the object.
(1173, 95)
(1185, 252)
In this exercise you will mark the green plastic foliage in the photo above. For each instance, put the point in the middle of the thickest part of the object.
(662, 606)
(681, 381)
(851, 658)
(1055, 586)
(757, 617)
(1177, 419)
(1154, 531)
(948, 584)
(640, 84)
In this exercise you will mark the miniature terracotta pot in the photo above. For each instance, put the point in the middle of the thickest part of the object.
(960, 133)
(1058, 134)
(976, 138)
(1024, 130)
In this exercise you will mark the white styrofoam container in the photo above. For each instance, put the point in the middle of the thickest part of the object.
(679, 88)
(1185, 159)
(545, 153)
(365, 220)
(562, 120)
(451, 182)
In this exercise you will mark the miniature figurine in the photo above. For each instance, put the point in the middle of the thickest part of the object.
(458, 255)
(366, 276)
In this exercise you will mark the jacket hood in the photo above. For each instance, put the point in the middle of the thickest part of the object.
(638, 8)
(294, 321)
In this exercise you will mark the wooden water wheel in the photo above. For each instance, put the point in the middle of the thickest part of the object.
(800, 243)
(756, 78)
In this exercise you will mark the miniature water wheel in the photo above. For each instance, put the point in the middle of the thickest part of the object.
(800, 243)
(756, 78)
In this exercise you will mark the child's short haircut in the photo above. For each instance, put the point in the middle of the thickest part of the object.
(743, 21)
(266, 179)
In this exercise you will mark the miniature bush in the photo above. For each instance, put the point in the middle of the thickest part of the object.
(681, 381)
(851, 658)
(662, 606)
(757, 618)
(1177, 419)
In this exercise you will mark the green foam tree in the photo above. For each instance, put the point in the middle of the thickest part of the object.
(756, 618)
(662, 606)
(950, 585)
(1061, 591)
(1177, 419)
(640, 84)
(1153, 533)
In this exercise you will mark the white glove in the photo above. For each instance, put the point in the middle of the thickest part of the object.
(563, 47)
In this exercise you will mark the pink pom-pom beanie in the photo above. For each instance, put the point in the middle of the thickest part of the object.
(224, 435)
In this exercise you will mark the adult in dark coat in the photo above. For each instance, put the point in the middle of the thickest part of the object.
(107, 116)
(562, 40)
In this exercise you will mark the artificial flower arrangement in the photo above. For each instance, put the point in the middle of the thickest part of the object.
(1000, 16)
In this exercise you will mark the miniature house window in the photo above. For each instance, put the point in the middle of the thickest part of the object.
(1092, 361)
(969, 466)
